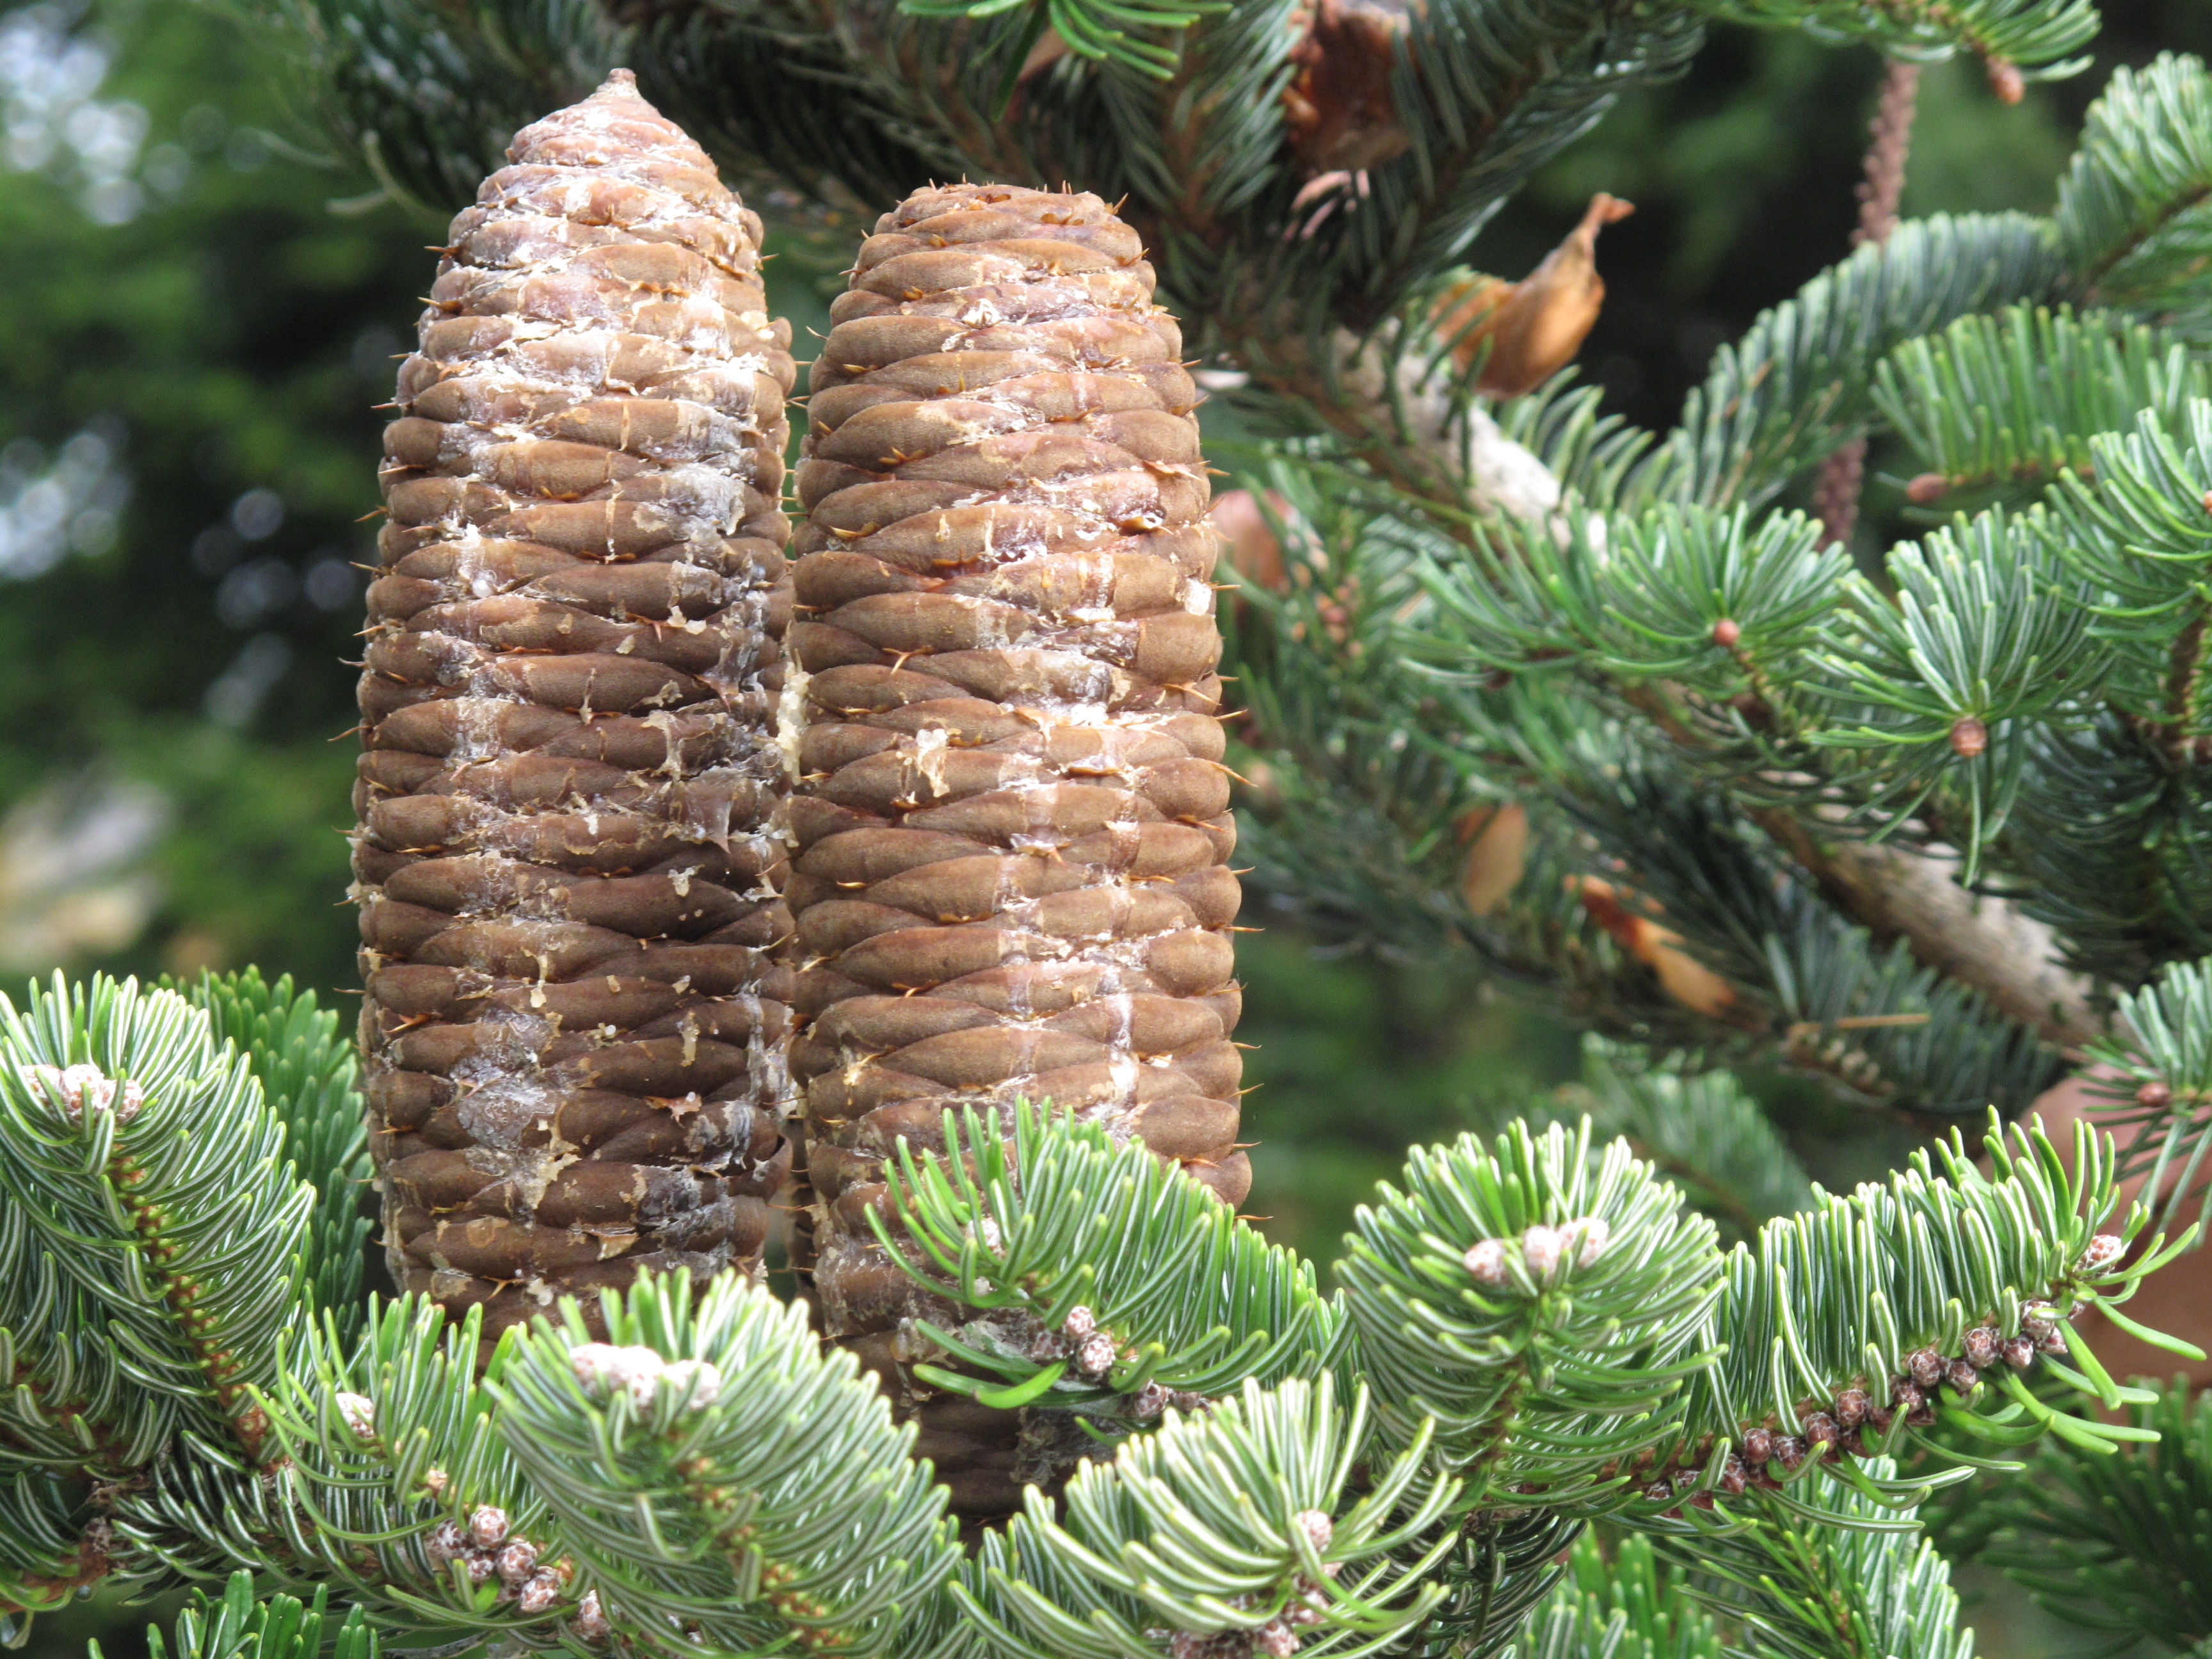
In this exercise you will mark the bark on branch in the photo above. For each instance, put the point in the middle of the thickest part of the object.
(1977, 940)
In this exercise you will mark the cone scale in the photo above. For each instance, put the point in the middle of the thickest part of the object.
(1009, 829)
(575, 1023)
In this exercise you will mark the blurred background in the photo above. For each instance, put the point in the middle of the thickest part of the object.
(199, 311)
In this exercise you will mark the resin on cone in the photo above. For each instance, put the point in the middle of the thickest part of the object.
(1011, 827)
(574, 1028)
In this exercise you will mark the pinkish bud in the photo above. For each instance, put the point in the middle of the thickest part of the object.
(591, 1625)
(1726, 633)
(517, 1561)
(2019, 1352)
(541, 1592)
(359, 1412)
(1594, 1232)
(1320, 1530)
(1541, 1247)
(1981, 1346)
(488, 1527)
(2102, 1253)
(77, 1090)
(1851, 1407)
(1758, 1447)
(1486, 1263)
(1926, 1366)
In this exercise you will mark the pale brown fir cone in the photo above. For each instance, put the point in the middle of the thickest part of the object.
(1011, 826)
(573, 1028)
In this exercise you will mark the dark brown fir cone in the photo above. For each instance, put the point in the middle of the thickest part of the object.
(1011, 827)
(573, 1030)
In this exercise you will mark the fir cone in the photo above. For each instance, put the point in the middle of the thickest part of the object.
(573, 1028)
(1011, 828)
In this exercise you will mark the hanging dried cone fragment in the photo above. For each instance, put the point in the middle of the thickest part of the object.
(1011, 822)
(1533, 327)
(573, 1031)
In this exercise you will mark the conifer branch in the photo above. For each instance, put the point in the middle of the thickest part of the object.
(2114, 1543)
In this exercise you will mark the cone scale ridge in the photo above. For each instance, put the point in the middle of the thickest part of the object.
(1011, 826)
(574, 1026)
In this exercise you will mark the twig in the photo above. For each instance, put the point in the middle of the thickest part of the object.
(1837, 496)
(1981, 941)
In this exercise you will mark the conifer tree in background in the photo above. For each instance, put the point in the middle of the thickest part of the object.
(1584, 700)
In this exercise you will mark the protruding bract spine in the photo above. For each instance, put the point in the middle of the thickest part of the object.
(1011, 825)
(573, 1030)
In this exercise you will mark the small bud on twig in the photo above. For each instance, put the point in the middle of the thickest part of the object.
(1595, 1233)
(360, 1414)
(1541, 1247)
(542, 1590)
(1969, 737)
(82, 1088)
(592, 1623)
(1486, 1263)
(699, 1382)
(1733, 1476)
(1319, 1528)
(2101, 1253)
